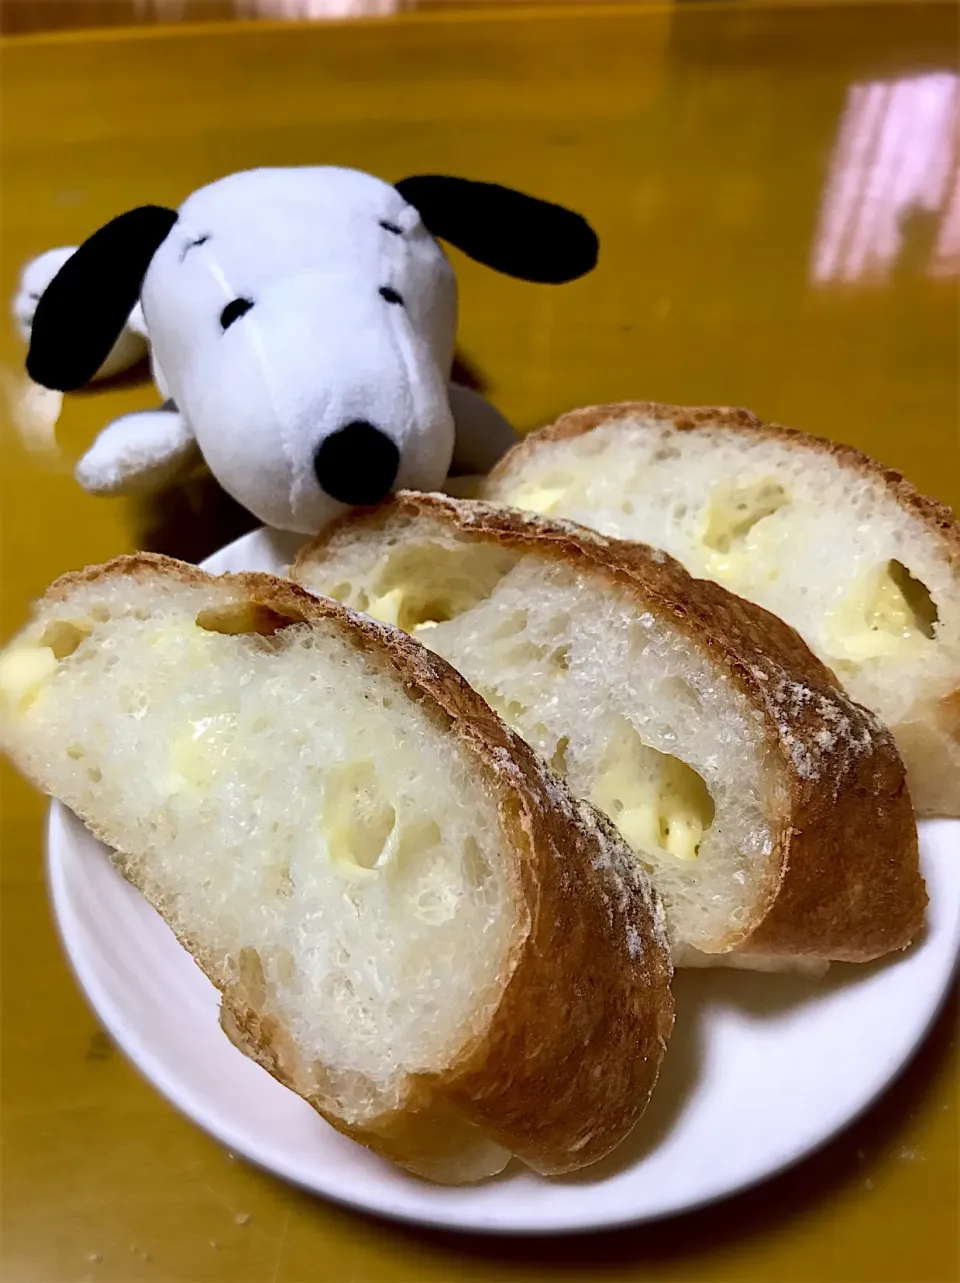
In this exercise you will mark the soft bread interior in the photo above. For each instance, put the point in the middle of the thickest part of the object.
(320, 843)
(617, 701)
(820, 543)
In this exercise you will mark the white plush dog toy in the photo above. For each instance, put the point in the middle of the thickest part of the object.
(301, 324)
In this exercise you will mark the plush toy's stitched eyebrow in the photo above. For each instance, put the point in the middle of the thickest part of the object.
(201, 240)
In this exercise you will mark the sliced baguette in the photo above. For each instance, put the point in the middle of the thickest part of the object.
(769, 809)
(846, 551)
(411, 922)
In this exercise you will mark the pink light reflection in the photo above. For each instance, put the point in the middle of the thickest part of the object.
(305, 10)
(897, 154)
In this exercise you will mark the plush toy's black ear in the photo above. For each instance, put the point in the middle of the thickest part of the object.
(81, 312)
(504, 229)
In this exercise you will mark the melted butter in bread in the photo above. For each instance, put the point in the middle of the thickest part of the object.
(388, 607)
(537, 498)
(357, 820)
(203, 752)
(397, 607)
(191, 645)
(735, 535)
(657, 802)
(887, 612)
(419, 585)
(23, 672)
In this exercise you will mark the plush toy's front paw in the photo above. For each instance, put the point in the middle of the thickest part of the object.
(132, 343)
(138, 454)
(34, 279)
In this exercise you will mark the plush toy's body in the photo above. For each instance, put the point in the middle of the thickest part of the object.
(301, 326)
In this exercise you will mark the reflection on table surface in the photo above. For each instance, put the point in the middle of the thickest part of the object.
(777, 194)
(22, 16)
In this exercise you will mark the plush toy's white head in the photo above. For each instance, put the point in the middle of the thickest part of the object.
(303, 321)
(310, 352)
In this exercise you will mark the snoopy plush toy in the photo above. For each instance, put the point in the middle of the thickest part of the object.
(301, 326)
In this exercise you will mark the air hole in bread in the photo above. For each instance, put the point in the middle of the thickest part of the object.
(917, 597)
(524, 652)
(659, 803)
(558, 761)
(510, 710)
(419, 870)
(133, 701)
(285, 965)
(887, 611)
(420, 584)
(246, 618)
(357, 819)
(680, 690)
(734, 512)
(63, 636)
(277, 882)
(514, 622)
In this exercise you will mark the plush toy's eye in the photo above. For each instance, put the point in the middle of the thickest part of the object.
(236, 308)
(390, 296)
(391, 227)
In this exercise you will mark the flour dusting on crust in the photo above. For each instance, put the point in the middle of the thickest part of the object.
(822, 731)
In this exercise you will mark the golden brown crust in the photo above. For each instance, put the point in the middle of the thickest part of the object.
(567, 1062)
(844, 879)
(936, 516)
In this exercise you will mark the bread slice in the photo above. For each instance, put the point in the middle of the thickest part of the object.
(768, 808)
(412, 924)
(863, 566)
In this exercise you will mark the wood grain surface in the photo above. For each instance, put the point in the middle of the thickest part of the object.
(766, 242)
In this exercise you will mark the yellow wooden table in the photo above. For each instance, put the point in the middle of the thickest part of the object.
(777, 194)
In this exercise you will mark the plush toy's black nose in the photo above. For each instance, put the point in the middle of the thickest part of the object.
(357, 464)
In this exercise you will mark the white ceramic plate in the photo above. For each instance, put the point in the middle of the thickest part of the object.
(761, 1070)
